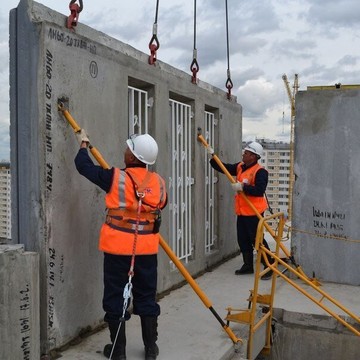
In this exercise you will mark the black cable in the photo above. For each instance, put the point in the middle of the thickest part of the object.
(229, 84)
(156, 11)
(227, 36)
(194, 24)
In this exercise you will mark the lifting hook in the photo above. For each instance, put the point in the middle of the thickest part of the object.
(75, 9)
(153, 46)
(194, 67)
(229, 85)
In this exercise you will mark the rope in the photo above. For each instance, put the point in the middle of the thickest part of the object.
(324, 236)
(132, 264)
(128, 287)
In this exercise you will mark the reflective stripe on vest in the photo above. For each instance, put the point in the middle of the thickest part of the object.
(117, 234)
(259, 202)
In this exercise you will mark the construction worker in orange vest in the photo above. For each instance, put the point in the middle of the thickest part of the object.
(252, 179)
(129, 238)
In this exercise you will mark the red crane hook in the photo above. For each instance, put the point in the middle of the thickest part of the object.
(75, 9)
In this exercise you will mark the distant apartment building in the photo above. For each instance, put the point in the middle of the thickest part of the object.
(5, 202)
(276, 159)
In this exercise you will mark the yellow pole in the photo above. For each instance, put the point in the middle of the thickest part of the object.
(196, 288)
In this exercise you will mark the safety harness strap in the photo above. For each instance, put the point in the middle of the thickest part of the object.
(139, 188)
(125, 214)
(130, 225)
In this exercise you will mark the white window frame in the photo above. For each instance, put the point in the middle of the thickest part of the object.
(180, 181)
(138, 111)
(210, 181)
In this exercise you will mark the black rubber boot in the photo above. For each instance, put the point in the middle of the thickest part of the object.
(150, 335)
(248, 267)
(119, 352)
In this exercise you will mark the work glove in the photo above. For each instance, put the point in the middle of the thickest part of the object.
(82, 136)
(237, 186)
(210, 150)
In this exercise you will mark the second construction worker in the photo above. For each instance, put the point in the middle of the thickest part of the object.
(129, 239)
(252, 179)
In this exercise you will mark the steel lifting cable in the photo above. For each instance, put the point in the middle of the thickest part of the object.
(194, 67)
(229, 84)
(154, 42)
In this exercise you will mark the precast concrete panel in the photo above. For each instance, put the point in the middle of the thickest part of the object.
(57, 212)
(326, 229)
(19, 303)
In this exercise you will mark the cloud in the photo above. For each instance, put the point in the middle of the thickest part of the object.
(301, 48)
(257, 97)
(341, 13)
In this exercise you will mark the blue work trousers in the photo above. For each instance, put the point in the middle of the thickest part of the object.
(246, 232)
(144, 283)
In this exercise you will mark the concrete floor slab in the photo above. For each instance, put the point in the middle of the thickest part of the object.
(189, 331)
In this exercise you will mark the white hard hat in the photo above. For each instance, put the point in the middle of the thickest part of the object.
(255, 148)
(144, 148)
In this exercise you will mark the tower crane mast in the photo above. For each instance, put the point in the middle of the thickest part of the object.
(291, 95)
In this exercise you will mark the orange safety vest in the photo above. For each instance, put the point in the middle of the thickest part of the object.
(248, 177)
(117, 233)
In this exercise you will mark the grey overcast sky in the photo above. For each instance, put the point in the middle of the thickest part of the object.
(317, 39)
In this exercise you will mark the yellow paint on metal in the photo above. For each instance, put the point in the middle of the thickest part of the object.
(263, 253)
(334, 87)
(243, 316)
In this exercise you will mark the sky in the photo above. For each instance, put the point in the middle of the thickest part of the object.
(316, 39)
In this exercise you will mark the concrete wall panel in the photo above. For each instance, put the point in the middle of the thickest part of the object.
(326, 232)
(19, 303)
(56, 211)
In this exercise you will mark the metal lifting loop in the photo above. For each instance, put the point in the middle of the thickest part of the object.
(194, 67)
(229, 85)
(75, 9)
(154, 42)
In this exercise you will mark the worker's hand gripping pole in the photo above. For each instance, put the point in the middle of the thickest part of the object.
(267, 226)
(77, 129)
